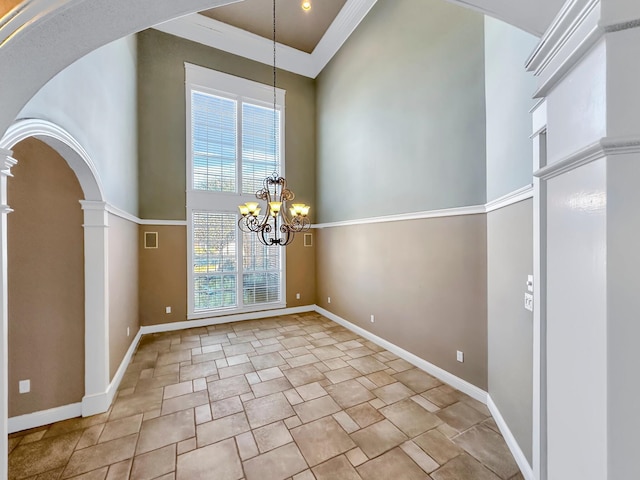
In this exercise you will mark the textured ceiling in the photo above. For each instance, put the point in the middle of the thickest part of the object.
(295, 27)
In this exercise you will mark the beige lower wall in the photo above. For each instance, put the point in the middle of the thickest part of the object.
(46, 281)
(424, 280)
(163, 275)
(510, 326)
(123, 289)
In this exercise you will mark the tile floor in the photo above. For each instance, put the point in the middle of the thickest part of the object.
(296, 397)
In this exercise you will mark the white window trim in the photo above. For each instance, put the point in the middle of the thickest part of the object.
(217, 83)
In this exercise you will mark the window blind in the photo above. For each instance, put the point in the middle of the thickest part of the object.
(260, 145)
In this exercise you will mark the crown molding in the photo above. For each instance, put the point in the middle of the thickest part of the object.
(222, 36)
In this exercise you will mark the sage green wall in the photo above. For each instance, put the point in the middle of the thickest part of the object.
(162, 124)
(510, 326)
(509, 89)
(401, 118)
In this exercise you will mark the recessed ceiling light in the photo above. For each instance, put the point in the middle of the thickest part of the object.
(306, 5)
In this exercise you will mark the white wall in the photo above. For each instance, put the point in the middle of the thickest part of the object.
(95, 100)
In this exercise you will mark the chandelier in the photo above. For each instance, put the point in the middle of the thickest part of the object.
(276, 226)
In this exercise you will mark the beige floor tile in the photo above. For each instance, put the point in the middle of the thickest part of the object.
(154, 464)
(100, 455)
(203, 413)
(378, 438)
(120, 470)
(228, 387)
(417, 380)
(184, 402)
(241, 369)
(269, 374)
(381, 378)
(426, 404)
(392, 465)
(460, 416)
(42, 456)
(489, 448)
(306, 475)
(265, 410)
(303, 375)
(410, 417)
(336, 468)
(441, 396)
(424, 461)
(272, 436)
(438, 446)
(186, 446)
(400, 365)
(269, 387)
(349, 393)
(136, 403)
(342, 374)
(367, 365)
(90, 436)
(464, 467)
(225, 407)
(318, 408)
(162, 431)
(311, 391)
(121, 428)
(178, 389)
(98, 474)
(198, 370)
(321, 440)
(356, 456)
(277, 464)
(253, 372)
(364, 414)
(219, 461)
(221, 429)
(393, 393)
(302, 360)
(335, 364)
(327, 352)
(346, 422)
(246, 445)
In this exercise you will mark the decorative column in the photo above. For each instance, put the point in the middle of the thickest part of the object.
(96, 335)
(589, 73)
(5, 172)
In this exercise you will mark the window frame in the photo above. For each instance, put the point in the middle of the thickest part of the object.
(212, 82)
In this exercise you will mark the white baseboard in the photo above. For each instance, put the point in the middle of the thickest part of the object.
(512, 443)
(240, 317)
(428, 367)
(100, 402)
(43, 417)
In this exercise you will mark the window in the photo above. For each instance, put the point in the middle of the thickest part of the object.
(234, 141)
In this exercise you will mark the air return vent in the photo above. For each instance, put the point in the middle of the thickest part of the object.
(150, 239)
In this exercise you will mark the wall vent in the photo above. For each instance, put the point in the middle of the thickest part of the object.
(308, 239)
(150, 239)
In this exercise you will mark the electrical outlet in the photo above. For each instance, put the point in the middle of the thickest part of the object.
(528, 301)
(127, 331)
(297, 296)
(24, 386)
(373, 319)
(460, 356)
(328, 299)
(167, 309)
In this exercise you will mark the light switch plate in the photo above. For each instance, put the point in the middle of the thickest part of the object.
(460, 356)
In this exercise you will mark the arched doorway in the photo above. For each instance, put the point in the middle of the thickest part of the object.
(46, 282)
(96, 357)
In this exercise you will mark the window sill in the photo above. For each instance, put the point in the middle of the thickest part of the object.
(234, 311)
